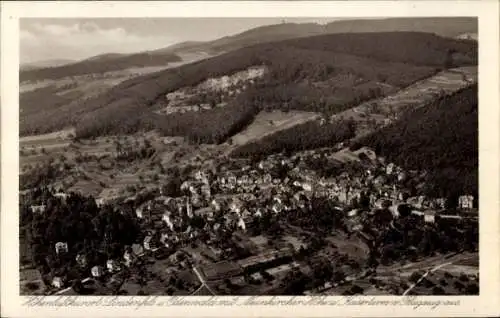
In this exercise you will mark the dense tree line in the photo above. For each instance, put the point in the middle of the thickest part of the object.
(97, 233)
(318, 78)
(441, 138)
(322, 216)
(411, 238)
(43, 175)
(431, 49)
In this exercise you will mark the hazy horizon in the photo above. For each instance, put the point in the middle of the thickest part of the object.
(44, 39)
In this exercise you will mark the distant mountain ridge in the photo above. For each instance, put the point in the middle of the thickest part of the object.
(100, 64)
(45, 64)
(446, 27)
(105, 57)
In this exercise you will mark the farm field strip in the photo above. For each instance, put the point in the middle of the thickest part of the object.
(262, 126)
(45, 144)
(61, 135)
(413, 97)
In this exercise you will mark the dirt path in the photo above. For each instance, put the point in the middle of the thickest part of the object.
(202, 281)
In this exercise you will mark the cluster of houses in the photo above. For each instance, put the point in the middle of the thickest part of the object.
(131, 254)
(180, 100)
(237, 199)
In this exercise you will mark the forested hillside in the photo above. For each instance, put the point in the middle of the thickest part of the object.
(323, 74)
(441, 139)
(98, 65)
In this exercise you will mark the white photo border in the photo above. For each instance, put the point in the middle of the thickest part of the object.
(487, 13)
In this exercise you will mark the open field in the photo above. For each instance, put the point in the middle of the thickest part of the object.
(267, 123)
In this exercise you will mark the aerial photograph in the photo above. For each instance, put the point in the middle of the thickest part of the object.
(248, 156)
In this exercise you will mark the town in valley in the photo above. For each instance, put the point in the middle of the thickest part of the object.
(256, 165)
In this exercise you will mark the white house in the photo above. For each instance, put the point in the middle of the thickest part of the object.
(267, 178)
(38, 208)
(258, 213)
(129, 258)
(112, 265)
(241, 224)
(99, 202)
(164, 238)
(150, 244)
(402, 176)
(429, 218)
(137, 249)
(61, 195)
(58, 282)
(139, 212)
(390, 168)
(61, 247)
(440, 203)
(216, 205)
(277, 200)
(166, 219)
(307, 186)
(466, 201)
(352, 213)
(185, 185)
(199, 175)
(277, 208)
(394, 210)
(236, 206)
(189, 208)
(231, 180)
(97, 271)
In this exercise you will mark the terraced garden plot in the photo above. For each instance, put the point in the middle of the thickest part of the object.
(384, 110)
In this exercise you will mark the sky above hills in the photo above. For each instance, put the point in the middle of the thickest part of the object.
(76, 39)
